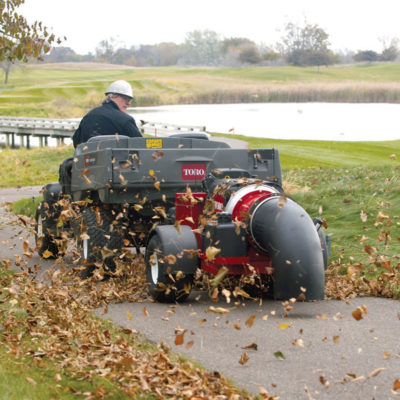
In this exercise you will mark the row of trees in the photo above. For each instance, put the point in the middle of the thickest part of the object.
(301, 45)
(305, 45)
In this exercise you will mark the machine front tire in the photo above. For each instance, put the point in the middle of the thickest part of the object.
(164, 286)
(98, 237)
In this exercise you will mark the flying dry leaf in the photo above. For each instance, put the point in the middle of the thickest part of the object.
(284, 325)
(31, 381)
(237, 327)
(324, 381)
(157, 155)
(145, 312)
(375, 372)
(217, 310)
(250, 346)
(396, 385)
(240, 292)
(129, 315)
(88, 181)
(47, 254)
(358, 312)
(282, 201)
(137, 207)
(171, 259)
(244, 358)
(211, 252)
(189, 344)
(336, 339)
(250, 321)
(219, 277)
(298, 342)
(157, 185)
(180, 337)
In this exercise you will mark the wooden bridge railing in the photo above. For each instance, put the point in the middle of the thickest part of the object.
(60, 129)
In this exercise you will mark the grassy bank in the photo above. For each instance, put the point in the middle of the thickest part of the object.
(58, 91)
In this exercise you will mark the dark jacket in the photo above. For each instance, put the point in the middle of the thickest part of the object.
(105, 120)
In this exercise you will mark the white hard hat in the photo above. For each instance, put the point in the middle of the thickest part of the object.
(120, 87)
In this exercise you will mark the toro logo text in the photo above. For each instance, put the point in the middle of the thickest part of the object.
(193, 172)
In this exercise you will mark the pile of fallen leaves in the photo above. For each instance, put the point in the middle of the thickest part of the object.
(377, 273)
(54, 313)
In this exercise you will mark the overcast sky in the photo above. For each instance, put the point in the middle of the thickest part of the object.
(351, 24)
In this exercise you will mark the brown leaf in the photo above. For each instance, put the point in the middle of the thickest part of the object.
(31, 381)
(180, 337)
(357, 314)
(250, 321)
(244, 358)
(282, 201)
(211, 252)
(217, 310)
(336, 339)
(396, 385)
(375, 372)
(47, 254)
(189, 344)
(157, 155)
(251, 346)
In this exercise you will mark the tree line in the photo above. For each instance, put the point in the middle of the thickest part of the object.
(301, 45)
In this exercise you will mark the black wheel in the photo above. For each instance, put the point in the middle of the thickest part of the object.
(44, 239)
(99, 239)
(165, 286)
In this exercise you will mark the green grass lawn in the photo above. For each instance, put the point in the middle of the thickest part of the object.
(54, 91)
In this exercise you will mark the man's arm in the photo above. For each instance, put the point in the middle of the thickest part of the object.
(131, 129)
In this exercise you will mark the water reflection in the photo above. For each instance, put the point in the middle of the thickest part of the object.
(313, 121)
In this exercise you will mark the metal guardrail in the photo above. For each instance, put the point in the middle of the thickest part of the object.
(163, 129)
(60, 129)
(42, 128)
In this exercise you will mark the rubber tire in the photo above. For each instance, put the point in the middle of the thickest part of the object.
(98, 239)
(162, 288)
(43, 221)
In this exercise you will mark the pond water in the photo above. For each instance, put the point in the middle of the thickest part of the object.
(310, 121)
(305, 121)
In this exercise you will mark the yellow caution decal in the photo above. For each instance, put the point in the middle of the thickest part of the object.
(154, 144)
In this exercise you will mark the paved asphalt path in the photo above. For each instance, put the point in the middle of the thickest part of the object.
(323, 352)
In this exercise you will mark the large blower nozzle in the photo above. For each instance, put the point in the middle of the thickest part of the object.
(283, 229)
